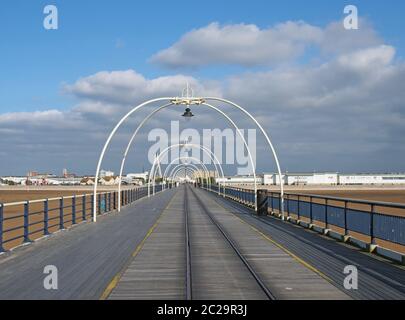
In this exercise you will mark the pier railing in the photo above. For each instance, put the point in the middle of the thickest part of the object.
(372, 224)
(24, 221)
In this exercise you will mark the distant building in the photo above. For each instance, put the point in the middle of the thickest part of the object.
(333, 178)
(240, 180)
(87, 181)
(109, 181)
(373, 179)
(106, 173)
(138, 176)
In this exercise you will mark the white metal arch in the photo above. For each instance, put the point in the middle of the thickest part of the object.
(129, 146)
(185, 169)
(198, 161)
(245, 145)
(165, 151)
(268, 142)
(212, 156)
(183, 101)
(182, 165)
(100, 160)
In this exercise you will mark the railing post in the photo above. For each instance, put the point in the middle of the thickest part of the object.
(99, 203)
(298, 209)
(84, 208)
(1, 227)
(372, 224)
(326, 215)
(61, 223)
(311, 219)
(74, 210)
(345, 219)
(109, 201)
(46, 217)
(92, 203)
(26, 222)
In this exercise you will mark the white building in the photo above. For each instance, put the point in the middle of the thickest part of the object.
(239, 180)
(333, 178)
(378, 179)
(135, 176)
(106, 173)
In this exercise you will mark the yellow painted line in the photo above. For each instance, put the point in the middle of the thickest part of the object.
(113, 283)
(280, 246)
(294, 256)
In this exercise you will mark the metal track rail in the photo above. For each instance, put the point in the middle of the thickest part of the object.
(262, 285)
(188, 253)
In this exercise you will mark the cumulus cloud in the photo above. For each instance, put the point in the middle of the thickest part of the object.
(248, 45)
(244, 44)
(128, 87)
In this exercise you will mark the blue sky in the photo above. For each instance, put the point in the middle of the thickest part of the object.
(43, 72)
(117, 35)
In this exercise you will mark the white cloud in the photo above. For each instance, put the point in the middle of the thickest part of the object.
(244, 44)
(129, 87)
(248, 45)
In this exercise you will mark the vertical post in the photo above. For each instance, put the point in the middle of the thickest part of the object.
(61, 204)
(26, 221)
(74, 210)
(114, 200)
(46, 217)
(288, 206)
(109, 201)
(84, 208)
(298, 210)
(1, 227)
(92, 203)
(345, 219)
(311, 220)
(372, 225)
(326, 214)
(99, 203)
(261, 203)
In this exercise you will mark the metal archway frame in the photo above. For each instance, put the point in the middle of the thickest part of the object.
(212, 156)
(191, 165)
(185, 169)
(273, 150)
(188, 165)
(143, 122)
(198, 161)
(157, 159)
(183, 101)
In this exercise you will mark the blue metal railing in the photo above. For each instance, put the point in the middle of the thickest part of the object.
(370, 219)
(21, 222)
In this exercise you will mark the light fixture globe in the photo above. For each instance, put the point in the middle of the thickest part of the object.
(187, 113)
